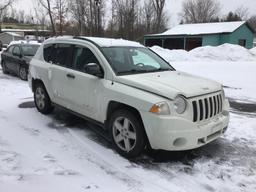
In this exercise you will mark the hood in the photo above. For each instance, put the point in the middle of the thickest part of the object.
(171, 83)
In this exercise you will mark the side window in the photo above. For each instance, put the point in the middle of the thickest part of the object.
(47, 53)
(62, 55)
(16, 51)
(10, 49)
(83, 57)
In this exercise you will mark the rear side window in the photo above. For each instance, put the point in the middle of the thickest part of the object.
(16, 51)
(47, 53)
(59, 54)
(63, 55)
(10, 49)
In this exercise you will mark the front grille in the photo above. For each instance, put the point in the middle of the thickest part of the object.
(206, 108)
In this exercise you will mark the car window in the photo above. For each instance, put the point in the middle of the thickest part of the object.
(140, 58)
(62, 54)
(47, 52)
(10, 49)
(16, 51)
(132, 60)
(29, 50)
(82, 57)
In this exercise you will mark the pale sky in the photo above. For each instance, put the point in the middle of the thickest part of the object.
(173, 7)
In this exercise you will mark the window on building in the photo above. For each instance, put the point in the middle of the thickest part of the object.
(242, 42)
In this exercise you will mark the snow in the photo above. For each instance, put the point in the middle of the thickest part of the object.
(13, 34)
(203, 28)
(60, 152)
(24, 42)
(225, 52)
(253, 51)
(108, 42)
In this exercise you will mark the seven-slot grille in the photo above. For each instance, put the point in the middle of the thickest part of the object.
(207, 107)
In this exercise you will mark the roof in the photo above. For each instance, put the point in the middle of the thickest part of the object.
(203, 28)
(12, 34)
(101, 42)
(24, 30)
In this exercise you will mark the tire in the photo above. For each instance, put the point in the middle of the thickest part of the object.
(42, 100)
(4, 69)
(127, 133)
(23, 73)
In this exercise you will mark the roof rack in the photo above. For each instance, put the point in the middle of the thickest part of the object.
(86, 39)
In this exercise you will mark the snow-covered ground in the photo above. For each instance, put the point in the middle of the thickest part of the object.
(60, 152)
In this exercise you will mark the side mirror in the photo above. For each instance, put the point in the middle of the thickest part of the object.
(94, 69)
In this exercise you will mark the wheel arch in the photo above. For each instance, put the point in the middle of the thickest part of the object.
(115, 105)
(36, 81)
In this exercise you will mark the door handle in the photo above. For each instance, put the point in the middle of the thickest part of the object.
(71, 76)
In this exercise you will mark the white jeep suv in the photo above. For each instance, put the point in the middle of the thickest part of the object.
(129, 90)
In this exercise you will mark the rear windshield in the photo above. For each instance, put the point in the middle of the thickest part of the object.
(29, 50)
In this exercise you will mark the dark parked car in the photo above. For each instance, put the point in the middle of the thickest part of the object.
(17, 57)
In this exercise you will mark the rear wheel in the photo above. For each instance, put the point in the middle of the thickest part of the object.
(42, 100)
(23, 74)
(4, 69)
(127, 133)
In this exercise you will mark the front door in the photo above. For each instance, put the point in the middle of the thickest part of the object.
(84, 91)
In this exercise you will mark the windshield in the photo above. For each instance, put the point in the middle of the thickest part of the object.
(29, 50)
(132, 60)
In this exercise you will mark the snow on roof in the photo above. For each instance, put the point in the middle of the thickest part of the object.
(24, 42)
(12, 34)
(203, 28)
(24, 30)
(102, 42)
(108, 42)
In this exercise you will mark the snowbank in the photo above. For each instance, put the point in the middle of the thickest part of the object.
(253, 51)
(225, 52)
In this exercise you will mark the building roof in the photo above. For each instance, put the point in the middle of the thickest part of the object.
(23, 30)
(203, 28)
(12, 34)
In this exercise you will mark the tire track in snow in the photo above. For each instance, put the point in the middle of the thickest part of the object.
(131, 179)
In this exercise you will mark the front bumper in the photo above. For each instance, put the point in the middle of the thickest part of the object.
(177, 134)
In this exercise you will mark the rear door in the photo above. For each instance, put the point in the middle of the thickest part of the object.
(16, 59)
(7, 57)
(61, 59)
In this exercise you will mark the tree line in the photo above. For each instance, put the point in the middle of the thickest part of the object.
(129, 19)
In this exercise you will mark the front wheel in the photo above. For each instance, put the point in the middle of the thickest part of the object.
(127, 133)
(42, 100)
(23, 74)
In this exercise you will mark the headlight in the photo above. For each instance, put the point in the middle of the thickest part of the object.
(160, 109)
(180, 104)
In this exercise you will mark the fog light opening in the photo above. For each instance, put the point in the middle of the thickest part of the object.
(179, 142)
(201, 141)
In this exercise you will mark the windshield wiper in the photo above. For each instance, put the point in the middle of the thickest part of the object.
(133, 71)
(161, 69)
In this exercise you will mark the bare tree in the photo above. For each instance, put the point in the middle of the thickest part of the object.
(242, 12)
(160, 17)
(252, 22)
(200, 11)
(4, 4)
(149, 15)
(47, 4)
(61, 11)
